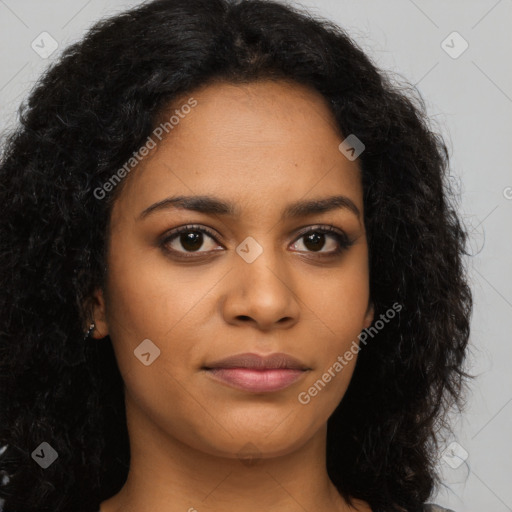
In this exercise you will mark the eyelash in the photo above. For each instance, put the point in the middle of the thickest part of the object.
(342, 239)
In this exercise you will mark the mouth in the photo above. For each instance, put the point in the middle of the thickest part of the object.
(257, 374)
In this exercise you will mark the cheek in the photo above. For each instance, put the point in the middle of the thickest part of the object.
(139, 303)
(340, 303)
(145, 294)
(148, 298)
(340, 297)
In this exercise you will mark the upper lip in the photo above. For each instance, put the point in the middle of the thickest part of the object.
(277, 360)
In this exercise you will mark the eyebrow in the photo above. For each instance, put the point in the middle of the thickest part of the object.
(214, 205)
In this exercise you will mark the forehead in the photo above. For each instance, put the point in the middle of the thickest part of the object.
(264, 109)
(258, 144)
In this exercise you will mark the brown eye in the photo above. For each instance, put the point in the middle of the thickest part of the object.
(196, 241)
(314, 241)
(317, 239)
(190, 239)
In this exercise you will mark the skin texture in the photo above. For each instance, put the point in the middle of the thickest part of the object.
(261, 146)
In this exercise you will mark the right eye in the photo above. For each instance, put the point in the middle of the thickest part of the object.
(186, 241)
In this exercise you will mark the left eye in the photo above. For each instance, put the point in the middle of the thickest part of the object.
(315, 239)
(191, 239)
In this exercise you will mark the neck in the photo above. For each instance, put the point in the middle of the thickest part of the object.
(168, 475)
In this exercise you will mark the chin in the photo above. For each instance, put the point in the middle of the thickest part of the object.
(250, 444)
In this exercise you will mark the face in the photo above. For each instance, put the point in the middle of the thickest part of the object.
(249, 271)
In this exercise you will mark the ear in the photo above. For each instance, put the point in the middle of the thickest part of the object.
(368, 317)
(98, 314)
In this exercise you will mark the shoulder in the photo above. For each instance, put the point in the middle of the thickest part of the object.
(432, 507)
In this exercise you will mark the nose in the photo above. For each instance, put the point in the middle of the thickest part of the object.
(261, 292)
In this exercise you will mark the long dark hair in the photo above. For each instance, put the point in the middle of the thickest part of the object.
(84, 119)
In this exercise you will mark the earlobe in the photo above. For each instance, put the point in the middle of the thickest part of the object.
(368, 318)
(98, 314)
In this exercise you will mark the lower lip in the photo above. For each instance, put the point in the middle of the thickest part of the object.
(257, 381)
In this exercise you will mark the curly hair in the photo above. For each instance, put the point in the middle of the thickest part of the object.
(86, 116)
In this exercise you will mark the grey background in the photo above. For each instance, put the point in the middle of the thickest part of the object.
(469, 100)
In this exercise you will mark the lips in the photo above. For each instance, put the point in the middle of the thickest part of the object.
(274, 361)
(255, 373)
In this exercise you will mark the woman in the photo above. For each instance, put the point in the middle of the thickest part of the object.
(232, 273)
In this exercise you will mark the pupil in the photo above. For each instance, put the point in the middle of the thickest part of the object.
(191, 241)
(317, 240)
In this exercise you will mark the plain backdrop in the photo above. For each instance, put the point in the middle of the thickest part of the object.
(458, 55)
